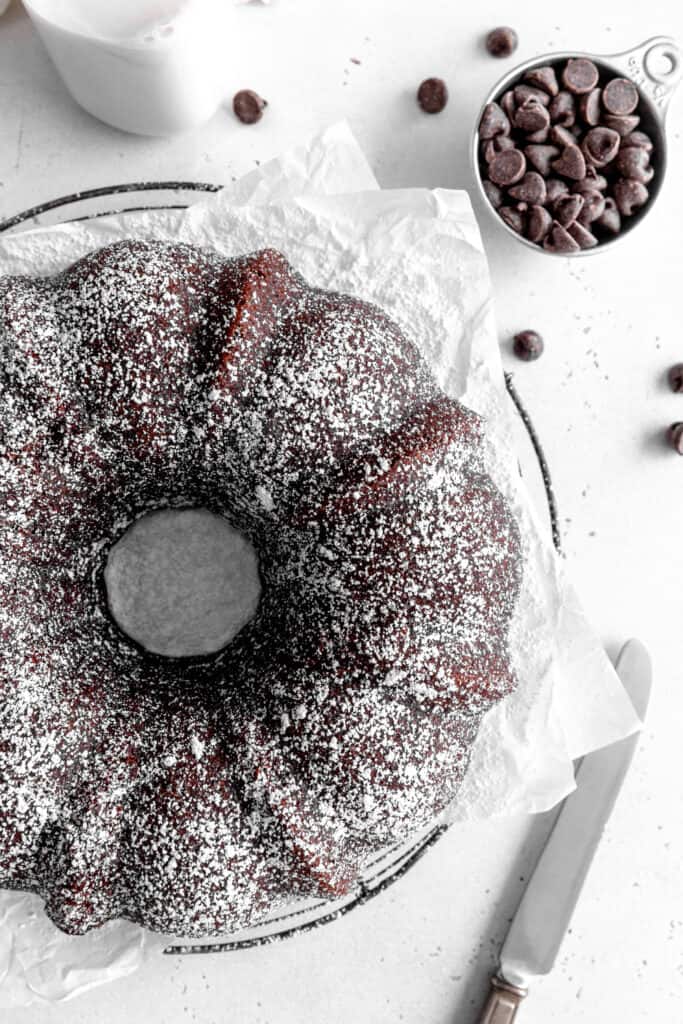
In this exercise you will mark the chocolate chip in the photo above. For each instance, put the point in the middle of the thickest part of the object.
(622, 124)
(493, 194)
(528, 345)
(531, 116)
(620, 96)
(639, 139)
(610, 218)
(531, 189)
(538, 223)
(502, 41)
(589, 106)
(580, 75)
(559, 240)
(544, 78)
(507, 103)
(432, 95)
(525, 92)
(513, 218)
(675, 376)
(507, 168)
(675, 437)
(554, 188)
(538, 138)
(562, 109)
(585, 238)
(634, 162)
(571, 163)
(496, 145)
(567, 209)
(540, 157)
(248, 106)
(494, 121)
(562, 136)
(600, 146)
(593, 206)
(593, 180)
(629, 196)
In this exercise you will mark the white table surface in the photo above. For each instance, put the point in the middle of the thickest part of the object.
(421, 952)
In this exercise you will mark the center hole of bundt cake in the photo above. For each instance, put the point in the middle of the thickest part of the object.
(182, 582)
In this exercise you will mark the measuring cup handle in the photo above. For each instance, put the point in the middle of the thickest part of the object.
(655, 66)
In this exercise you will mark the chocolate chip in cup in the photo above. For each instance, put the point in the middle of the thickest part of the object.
(600, 146)
(568, 154)
(580, 75)
(507, 168)
(620, 96)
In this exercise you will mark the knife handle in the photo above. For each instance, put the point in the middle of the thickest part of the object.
(503, 1002)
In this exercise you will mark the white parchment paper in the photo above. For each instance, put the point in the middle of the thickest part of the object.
(418, 254)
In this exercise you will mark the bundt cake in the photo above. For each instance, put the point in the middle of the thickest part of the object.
(193, 795)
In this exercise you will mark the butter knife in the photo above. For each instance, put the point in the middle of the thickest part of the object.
(543, 915)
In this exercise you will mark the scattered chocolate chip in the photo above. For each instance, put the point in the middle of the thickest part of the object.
(538, 223)
(600, 146)
(502, 41)
(675, 376)
(531, 189)
(589, 106)
(639, 139)
(585, 238)
(620, 96)
(507, 168)
(513, 218)
(570, 163)
(554, 188)
(593, 206)
(531, 116)
(622, 124)
(634, 162)
(559, 240)
(562, 109)
(248, 106)
(494, 121)
(580, 75)
(525, 92)
(544, 78)
(528, 345)
(610, 218)
(567, 209)
(630, 196)
(540, 157)
(675, 437)
(562, 136)
(432, 95)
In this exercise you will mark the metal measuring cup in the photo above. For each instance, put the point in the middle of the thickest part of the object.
(655, 67)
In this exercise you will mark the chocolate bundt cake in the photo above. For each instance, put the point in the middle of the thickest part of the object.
(193, 795)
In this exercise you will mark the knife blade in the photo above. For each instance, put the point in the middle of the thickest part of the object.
(544, 912)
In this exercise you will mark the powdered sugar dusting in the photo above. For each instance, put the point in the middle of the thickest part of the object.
(194, 796)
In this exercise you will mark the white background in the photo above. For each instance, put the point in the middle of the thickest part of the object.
(421, 952)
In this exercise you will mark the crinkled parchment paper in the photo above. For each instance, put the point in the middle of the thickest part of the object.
(418, 255)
